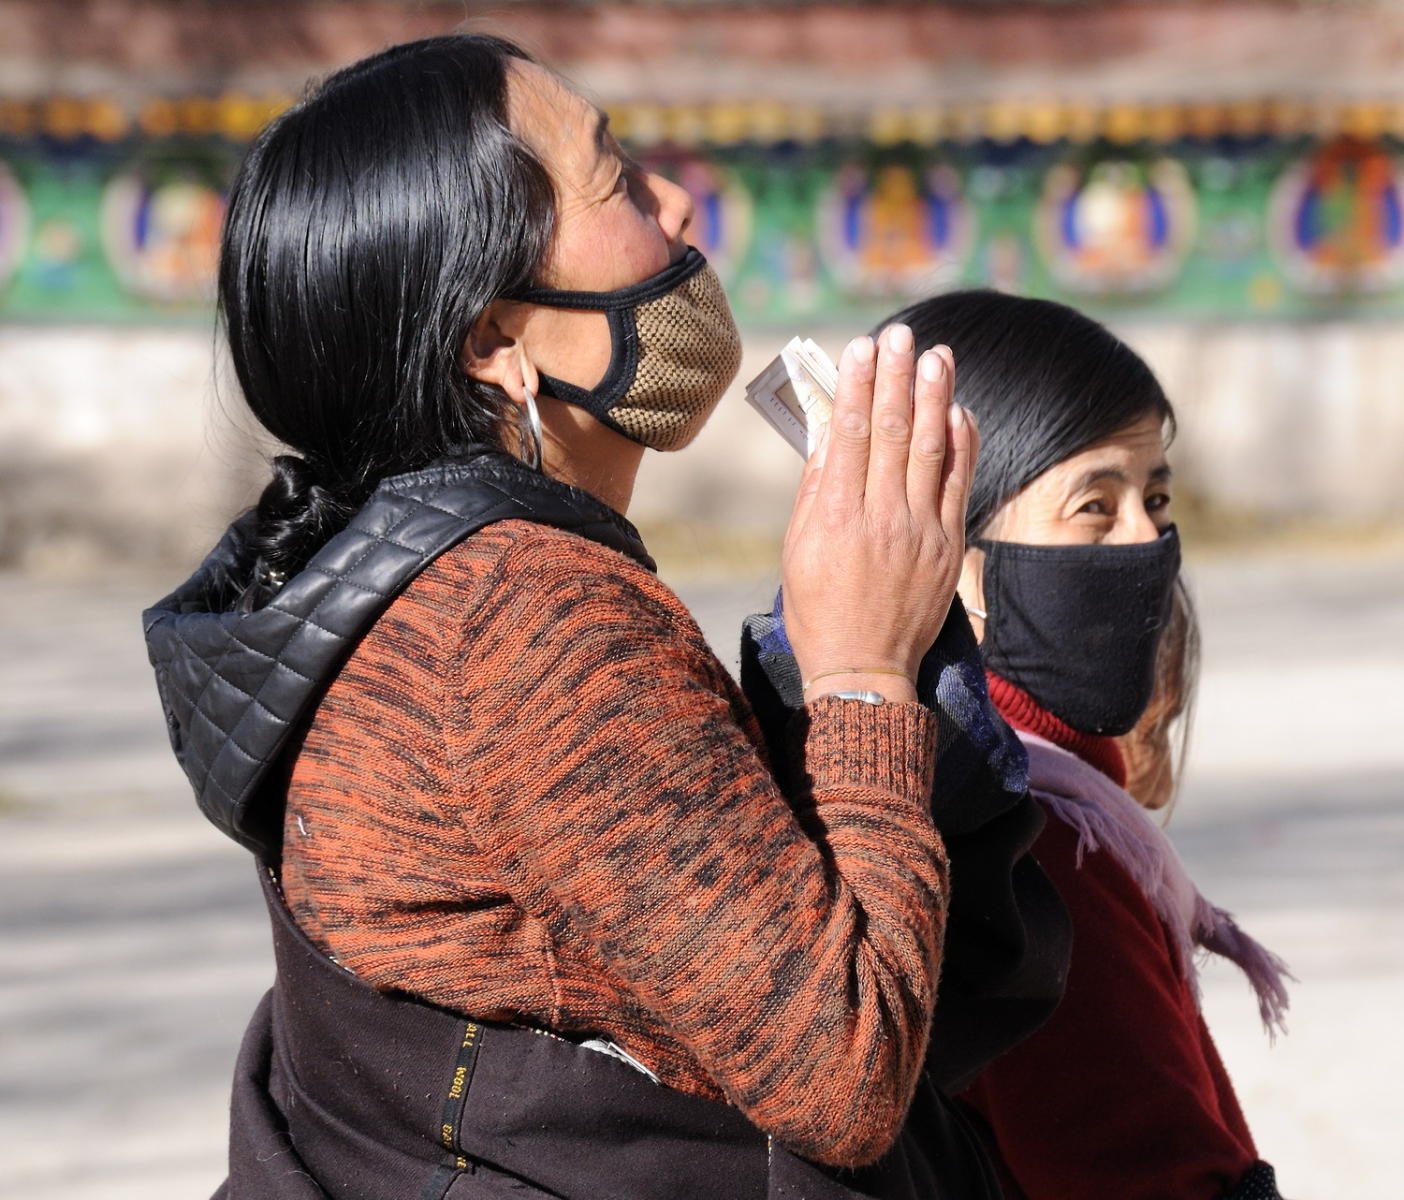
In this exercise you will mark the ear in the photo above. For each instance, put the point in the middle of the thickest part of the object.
(493, 351)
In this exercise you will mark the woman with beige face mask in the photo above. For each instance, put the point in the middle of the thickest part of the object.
(525, 857)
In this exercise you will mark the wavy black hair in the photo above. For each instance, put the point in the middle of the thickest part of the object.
(367, 229)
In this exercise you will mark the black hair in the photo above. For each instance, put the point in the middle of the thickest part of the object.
(1043, 380)
(367, 229)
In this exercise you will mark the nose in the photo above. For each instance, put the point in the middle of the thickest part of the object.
(1139, 527)
(675, 207)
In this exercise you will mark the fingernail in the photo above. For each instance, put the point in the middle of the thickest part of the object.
(947, 353)
(899, 339)
(957, 416)
(862, 349)
(931, 366)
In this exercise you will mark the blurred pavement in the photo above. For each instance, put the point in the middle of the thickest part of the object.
(134, 947)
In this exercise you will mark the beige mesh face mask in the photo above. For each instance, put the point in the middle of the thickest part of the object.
(676, 350)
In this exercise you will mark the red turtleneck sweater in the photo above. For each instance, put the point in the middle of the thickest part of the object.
(1121, 1095)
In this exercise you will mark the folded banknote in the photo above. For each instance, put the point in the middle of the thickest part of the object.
(795, 393)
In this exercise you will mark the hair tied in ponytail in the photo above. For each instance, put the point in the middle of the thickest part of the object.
(296, 514)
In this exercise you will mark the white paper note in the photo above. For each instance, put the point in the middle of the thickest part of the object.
(795, 393)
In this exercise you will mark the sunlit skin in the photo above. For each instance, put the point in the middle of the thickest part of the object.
(1114, 493)
(870, 558)
(616, 225)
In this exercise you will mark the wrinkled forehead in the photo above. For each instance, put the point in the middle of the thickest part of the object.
(1135, 453)
(558, 123)
(1144, 438)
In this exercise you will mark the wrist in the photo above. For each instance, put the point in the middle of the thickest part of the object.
(893, 686)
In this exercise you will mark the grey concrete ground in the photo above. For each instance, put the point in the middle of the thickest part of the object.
(133, 946)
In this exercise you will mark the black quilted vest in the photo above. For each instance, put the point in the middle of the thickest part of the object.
(341, 1091)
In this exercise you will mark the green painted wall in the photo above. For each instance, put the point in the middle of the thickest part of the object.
(828, 231)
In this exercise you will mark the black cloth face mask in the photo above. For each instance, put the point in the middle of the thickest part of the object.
(675, 352)
(1078, 627)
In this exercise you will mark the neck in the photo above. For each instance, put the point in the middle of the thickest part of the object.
(1024, 712)
(609, 483)
(586, 453)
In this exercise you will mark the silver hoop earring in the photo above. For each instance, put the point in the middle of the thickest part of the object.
(529, 430)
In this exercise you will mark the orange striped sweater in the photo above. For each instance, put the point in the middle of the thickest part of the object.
(534, 795)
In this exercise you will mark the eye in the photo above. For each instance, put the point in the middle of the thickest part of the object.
(1095, 507)
(630, 178)
(1157, 502)
(629, 170)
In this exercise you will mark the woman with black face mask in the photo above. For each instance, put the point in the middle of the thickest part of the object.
(1070, 580)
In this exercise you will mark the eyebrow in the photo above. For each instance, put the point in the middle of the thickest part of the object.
(1158, 475)
(601, 129)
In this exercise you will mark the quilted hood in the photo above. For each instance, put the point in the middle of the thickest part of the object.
(237, 686)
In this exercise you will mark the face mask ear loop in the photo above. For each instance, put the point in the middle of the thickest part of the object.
(529, 430)
(985, 548)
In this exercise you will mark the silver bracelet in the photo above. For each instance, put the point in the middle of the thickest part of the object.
(865, 696)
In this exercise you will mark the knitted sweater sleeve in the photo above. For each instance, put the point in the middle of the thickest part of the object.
(791, 944)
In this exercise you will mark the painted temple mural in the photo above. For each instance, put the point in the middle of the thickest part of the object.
(112, 222)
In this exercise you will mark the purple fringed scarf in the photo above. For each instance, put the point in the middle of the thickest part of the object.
(1107, 818)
